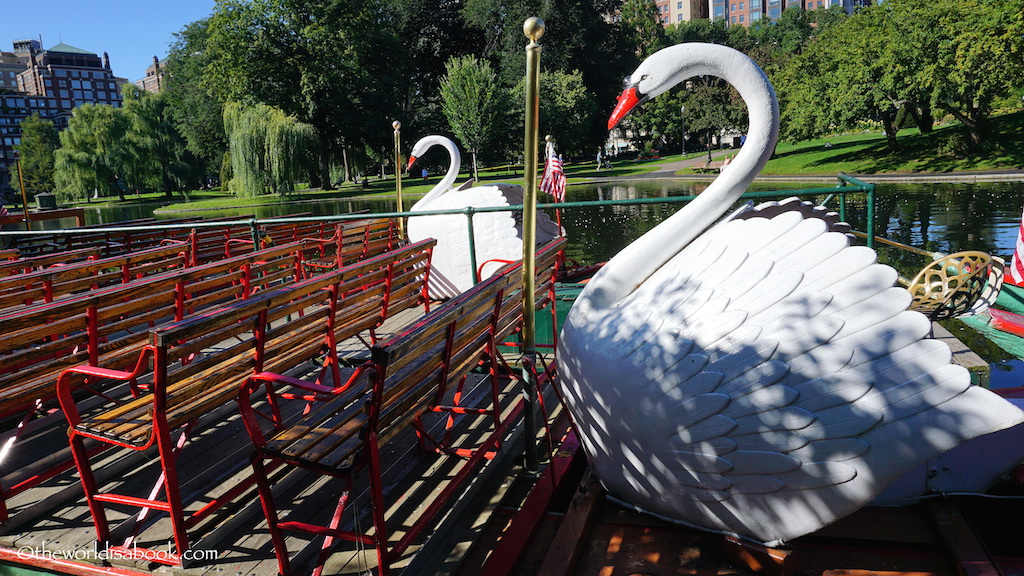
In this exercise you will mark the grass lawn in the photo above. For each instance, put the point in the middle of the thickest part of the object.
(941, 151)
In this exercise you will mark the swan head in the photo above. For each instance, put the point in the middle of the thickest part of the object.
(669, 66)
(650, 79)
(419, 149)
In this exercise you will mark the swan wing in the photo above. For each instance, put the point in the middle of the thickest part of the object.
(766, 381)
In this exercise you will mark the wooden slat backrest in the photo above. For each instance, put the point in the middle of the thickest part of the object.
(435, 352)
(272, 331)
(53, 283)
(366, 238)
(31, 264)
(545, 271)
(43, 340)
(9, 253)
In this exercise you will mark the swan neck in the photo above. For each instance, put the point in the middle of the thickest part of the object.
(638, 261)
(454, 165)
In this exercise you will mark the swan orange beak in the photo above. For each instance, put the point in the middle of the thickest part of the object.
(412, 160)
(629, 99)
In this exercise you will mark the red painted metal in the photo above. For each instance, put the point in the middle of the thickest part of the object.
(513, 543)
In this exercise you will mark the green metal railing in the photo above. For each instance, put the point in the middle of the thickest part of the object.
(846, 185)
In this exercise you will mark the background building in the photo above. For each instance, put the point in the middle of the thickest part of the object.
(673, 11)
(154, 80)
(745, 12)
(50, 83)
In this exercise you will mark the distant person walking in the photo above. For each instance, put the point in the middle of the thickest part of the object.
(599, 158)
(425, 173)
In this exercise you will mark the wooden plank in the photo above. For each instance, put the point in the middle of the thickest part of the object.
(961, 540)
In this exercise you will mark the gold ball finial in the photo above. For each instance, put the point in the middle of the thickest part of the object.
(396, 124)
(533, 28)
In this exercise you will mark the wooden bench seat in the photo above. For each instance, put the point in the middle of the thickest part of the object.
(355, 240)
(713, 167)
(406, 378)
(200, 363)
(109, 327)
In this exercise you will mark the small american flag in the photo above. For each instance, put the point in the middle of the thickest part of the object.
(1017, 265)
(553, 181)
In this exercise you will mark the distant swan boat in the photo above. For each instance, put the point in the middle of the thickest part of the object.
(498, 235)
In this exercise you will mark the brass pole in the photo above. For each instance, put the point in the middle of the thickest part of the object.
(534, 29)
(24, 198)
(398, 172)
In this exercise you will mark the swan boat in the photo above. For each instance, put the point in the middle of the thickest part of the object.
(760, 376)
(497, 236)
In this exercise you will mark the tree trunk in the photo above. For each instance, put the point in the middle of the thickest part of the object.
(476, 176)
(344, 158)
(925, 119)
(323, 149)
(973, 120)
(168, 185)
(888, 118)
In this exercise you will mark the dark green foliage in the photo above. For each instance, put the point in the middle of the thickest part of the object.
(39, 142)
(197, 115)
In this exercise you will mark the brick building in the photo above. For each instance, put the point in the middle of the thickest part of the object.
(50, 83)
(154, 80)
(673, 11)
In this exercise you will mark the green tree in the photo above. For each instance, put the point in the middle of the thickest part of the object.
(39, 143)
(431, 32)
(329, 64)
(267, 148)
(196, 113)
(92, 152)
(642, 28)
(566, 110)
(979, 57)
(581, 35)
(474, 104)
(958, 57)
(157, 156)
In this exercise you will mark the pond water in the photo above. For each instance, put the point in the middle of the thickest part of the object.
(946, 217)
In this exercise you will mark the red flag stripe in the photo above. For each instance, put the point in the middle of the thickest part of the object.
(1017, 266)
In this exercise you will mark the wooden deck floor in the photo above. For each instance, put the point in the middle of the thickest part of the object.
(52, 519)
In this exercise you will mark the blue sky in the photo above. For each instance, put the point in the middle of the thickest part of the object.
(131, 31)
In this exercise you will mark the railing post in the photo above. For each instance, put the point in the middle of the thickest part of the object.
(871, 216)
(533, 28)
(842, 200)
(472, 243)
(254, 233)
(398, 173)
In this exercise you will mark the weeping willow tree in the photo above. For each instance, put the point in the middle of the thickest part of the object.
(268, 148)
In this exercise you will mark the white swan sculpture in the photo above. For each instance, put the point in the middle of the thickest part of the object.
(759, 377)
(498, 236)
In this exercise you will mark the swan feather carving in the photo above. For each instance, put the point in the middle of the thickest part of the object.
(497, 235)
(759, 376)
